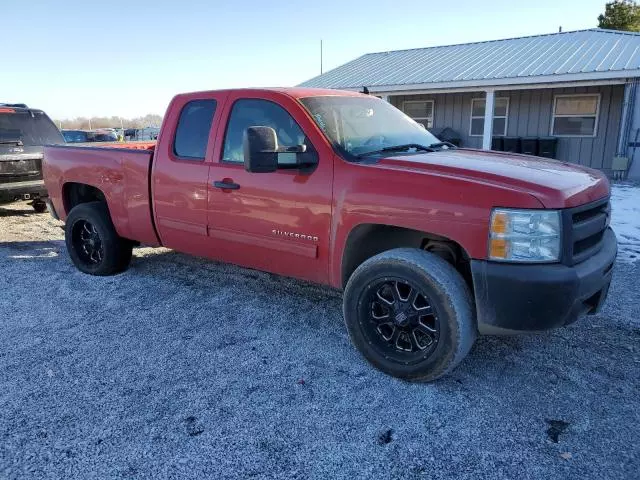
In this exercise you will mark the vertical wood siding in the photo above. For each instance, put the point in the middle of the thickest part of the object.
(530, 114)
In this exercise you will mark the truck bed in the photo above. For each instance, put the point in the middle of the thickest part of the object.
(122, 174)
(119, 145)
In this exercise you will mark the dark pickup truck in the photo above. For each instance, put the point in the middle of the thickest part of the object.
(23, 132)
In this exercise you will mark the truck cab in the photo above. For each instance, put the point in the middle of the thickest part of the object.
(432, 244)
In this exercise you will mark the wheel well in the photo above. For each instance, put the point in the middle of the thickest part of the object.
(368, 240)
(76, 193)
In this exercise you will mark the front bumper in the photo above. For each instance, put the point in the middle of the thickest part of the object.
(512, 298)
(22, 190)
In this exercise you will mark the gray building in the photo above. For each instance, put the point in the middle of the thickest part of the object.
(579, 88)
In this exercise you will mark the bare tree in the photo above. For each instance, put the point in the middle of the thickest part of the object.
(84, 123)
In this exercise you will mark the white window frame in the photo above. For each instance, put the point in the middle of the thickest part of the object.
(418, 119)
(505, 116)
(597, 115)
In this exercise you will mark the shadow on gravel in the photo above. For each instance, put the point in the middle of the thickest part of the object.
(294, 307)
(191, 271)
(12, 212)
(204, 277)
(232, 288)
(48, 249)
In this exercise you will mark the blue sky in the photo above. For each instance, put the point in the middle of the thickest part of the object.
(83, 58)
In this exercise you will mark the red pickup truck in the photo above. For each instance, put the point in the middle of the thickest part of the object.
(432, 244)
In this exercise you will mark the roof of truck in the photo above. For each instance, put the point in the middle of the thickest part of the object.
(301, 92)
(294, 92)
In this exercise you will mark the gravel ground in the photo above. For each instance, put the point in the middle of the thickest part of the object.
(186, 368)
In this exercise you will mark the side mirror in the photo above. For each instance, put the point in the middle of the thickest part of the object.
(260, 145)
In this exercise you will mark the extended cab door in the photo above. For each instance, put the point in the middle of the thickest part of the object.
(279, 221)
(181, 169)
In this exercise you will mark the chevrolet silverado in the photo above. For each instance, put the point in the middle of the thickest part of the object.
(432, 244)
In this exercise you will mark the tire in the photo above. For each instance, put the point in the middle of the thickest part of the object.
(92, 242)
(410, 314)
(39, 206)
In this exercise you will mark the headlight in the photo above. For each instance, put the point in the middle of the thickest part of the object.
(524, 235)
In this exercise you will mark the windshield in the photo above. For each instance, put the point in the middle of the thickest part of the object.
(32, 128)
(360, 125)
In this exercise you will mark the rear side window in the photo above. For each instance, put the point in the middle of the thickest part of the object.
(194, 125)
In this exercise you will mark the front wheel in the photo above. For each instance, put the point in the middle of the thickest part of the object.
(92, 241)
(410, 313)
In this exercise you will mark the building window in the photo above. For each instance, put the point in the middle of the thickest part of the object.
(420, 110)
(575, 115)
(500, 115)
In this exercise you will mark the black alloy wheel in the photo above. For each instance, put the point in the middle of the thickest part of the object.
(93, 244)
(402, 323)
(88, 243)
(410, 313)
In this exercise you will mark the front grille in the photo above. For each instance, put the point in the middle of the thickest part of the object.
(584, 228)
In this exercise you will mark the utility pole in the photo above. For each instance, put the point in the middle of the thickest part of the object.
(89, 124)
(320, 56)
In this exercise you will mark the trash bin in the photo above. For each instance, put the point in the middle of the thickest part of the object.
(529, 145)
(497, 144)
(511, 144)
(547, 147)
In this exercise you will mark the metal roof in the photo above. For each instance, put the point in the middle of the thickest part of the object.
(567, 56)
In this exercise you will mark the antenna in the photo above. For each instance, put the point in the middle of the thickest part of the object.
(320, 56)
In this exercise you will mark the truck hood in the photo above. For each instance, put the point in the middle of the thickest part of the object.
(555, 184)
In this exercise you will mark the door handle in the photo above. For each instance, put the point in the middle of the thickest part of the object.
(226, 185)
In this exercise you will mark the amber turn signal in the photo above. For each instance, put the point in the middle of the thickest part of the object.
(498, 248)
(499, 223)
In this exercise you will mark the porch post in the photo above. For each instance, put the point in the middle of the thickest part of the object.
(488, 119)
(626, 118)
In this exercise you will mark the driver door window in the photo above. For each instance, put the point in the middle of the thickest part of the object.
(254, 112)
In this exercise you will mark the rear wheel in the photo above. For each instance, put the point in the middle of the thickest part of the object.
(92, 241)
(410, 314)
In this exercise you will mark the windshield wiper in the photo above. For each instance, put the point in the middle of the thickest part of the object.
(399, 148)
(12, 142)
(442, 144)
